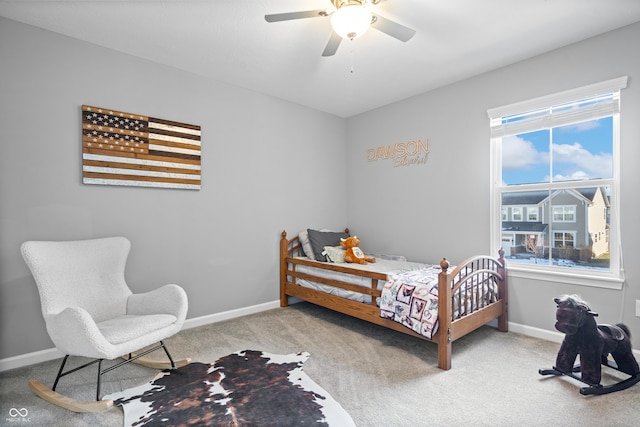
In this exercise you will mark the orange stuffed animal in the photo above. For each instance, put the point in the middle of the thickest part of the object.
(353, 253)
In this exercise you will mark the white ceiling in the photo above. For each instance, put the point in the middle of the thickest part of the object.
(230, 41)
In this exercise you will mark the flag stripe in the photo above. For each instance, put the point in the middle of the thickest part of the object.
(169, 138)
(141, 174)
(124, 177)
(188, 137)
(174, 156)
(169, 125)
(140, 156)
(120, 148)
(140, 161)
(192, 148)
(120, 166)
(172, 147)
(134, 183)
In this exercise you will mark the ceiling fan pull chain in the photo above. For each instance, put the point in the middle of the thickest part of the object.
(352, 70)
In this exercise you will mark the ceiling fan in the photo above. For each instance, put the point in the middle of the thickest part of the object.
(350, 19)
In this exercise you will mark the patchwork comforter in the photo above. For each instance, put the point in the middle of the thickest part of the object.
(411, 298)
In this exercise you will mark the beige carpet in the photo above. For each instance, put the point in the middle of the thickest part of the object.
(381, 377)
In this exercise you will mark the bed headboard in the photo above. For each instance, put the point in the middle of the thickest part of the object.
(291, 247)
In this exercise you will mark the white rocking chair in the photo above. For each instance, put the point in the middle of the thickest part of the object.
(90, 311)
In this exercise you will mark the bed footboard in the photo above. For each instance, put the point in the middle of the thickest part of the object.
(470, 296)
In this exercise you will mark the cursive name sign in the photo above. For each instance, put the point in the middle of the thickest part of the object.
(408, 153)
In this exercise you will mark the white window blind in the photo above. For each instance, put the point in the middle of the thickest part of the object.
(594, 101)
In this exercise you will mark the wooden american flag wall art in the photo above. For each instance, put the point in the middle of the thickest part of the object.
(121, 148)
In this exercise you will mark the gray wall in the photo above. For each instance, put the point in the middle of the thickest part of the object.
(441, 208)
(203, 239)
(263, 167)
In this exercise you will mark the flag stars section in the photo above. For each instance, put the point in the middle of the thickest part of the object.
(121, 148)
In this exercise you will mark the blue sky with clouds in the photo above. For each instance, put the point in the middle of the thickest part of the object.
(579, 151)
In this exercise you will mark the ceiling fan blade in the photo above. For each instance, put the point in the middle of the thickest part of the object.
(332, 44)
(392, 28)
(277, 17)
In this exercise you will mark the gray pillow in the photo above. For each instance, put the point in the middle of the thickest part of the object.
(320, 239)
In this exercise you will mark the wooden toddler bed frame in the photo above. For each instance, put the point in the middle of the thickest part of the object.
(450, 329)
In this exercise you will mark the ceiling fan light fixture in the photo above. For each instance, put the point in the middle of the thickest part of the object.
(351, 20)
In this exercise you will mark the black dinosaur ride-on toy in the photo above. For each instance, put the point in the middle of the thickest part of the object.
(594, 343)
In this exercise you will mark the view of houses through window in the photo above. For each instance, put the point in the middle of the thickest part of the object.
(562, 227)
(555, 182)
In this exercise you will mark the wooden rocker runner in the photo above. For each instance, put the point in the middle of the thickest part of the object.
(90, 311)
(50, 395)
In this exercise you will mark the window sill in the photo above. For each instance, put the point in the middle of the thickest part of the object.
(586, 279)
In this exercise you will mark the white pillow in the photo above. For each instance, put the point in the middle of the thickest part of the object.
(334, 253)
(306, 244)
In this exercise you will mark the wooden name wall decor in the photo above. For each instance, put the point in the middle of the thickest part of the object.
(408, 153)
(121, 148)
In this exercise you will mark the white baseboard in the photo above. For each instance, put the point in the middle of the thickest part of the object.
(530, 331)
(553, 336)
(53, 353)
(29, 359)
(231, 314)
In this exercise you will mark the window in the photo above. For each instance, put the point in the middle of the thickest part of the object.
(516, 214)
(564, 239)
(564, 213)
(554, 165)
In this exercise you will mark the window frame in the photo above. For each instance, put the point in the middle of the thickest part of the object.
(564, 238)
(612, 279)
(529, 210)
(572, 211)
(520, 213)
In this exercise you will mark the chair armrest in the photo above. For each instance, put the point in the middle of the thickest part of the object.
(169, 299)
(74, 331)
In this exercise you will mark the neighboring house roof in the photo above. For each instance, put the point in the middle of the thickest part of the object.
(524, 198)
(588, 193)
(524, 227)
(538, 197)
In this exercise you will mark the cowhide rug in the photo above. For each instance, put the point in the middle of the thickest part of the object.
(246, 388)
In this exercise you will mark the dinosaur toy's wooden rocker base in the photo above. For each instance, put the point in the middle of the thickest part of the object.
(595, 389)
